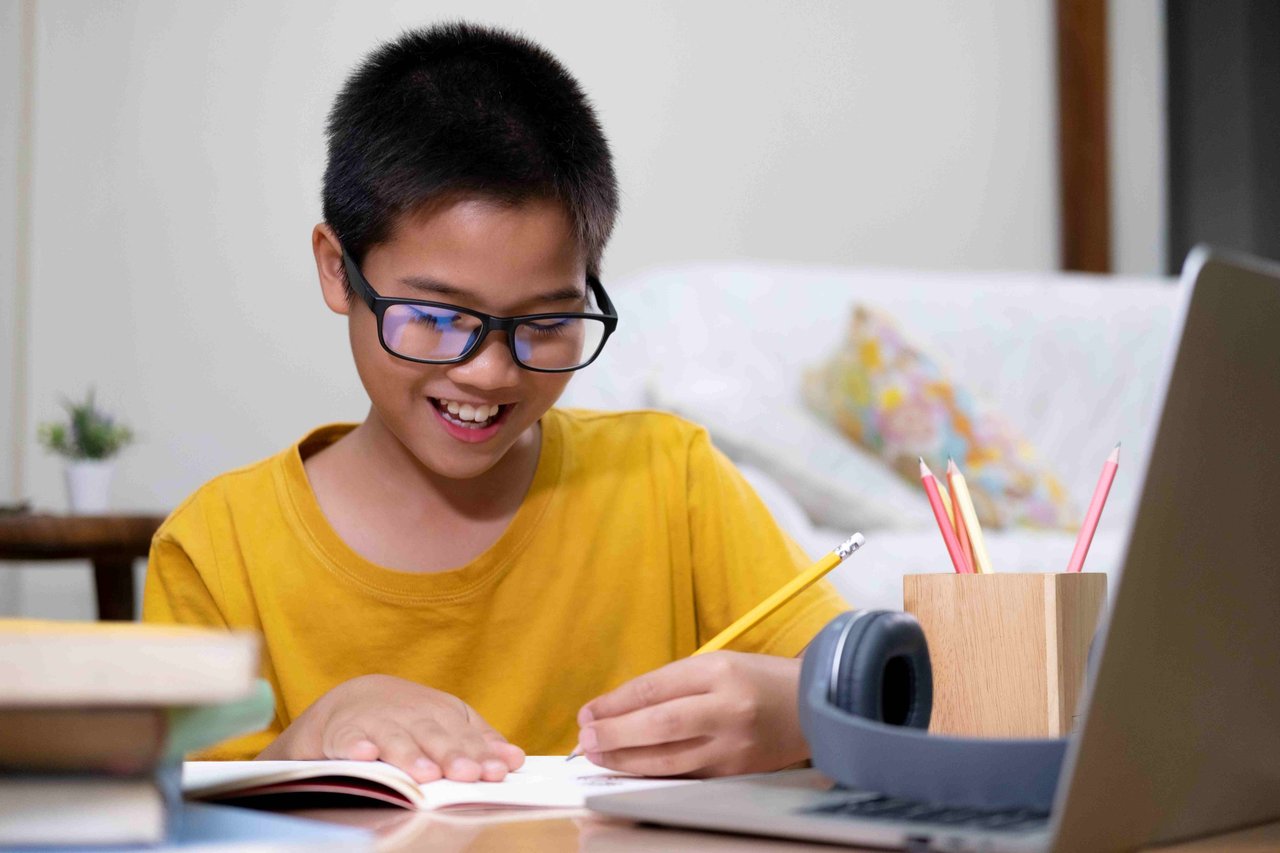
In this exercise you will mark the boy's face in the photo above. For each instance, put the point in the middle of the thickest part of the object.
(476, 254)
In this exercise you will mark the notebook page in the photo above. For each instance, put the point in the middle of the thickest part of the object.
(546, 781)
(543, 780)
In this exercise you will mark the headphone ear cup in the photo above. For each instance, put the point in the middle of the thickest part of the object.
(884, 672)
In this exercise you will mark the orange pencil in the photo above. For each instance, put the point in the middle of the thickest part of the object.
(962, 532)
(944, 525)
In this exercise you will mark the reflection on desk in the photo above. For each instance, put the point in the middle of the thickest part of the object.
(501, 830)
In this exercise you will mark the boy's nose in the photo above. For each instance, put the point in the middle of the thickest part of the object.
(491, 367)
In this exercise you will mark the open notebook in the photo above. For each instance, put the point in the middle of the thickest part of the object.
(546, 781)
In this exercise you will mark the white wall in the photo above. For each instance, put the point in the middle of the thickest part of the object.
(1139, 162)
(11, 126)
(179, 149)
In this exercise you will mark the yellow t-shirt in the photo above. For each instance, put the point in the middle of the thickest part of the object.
(637, 542)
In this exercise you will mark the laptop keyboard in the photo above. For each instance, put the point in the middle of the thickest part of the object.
(880, 807)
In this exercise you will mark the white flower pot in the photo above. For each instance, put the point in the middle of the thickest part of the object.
(89, 485)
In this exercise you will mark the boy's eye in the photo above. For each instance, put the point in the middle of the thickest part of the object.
(423, 318)
(433, 318)
(551, 327)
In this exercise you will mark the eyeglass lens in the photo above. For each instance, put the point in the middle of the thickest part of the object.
(433, 333)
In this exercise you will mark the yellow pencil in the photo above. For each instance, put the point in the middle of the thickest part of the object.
(964, 507)
(789, 590)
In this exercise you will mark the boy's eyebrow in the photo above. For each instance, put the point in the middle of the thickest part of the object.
(428, 285)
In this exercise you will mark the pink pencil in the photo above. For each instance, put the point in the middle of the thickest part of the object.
(1099, 500)
(958, 559)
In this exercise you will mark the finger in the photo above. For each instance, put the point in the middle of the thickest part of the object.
(692, 757)
(460, 752)
(668, 722)
(505, 756)
(348, 741)
(509, 753)
(681, 678)
(398, 747)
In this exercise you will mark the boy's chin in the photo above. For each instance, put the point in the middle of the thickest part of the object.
(454, 459)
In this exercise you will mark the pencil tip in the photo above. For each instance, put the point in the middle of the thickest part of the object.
(952, 468)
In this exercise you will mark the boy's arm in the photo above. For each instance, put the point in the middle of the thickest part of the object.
(723, 712)
(176, 592)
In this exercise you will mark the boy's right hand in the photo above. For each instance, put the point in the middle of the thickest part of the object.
(427, 733)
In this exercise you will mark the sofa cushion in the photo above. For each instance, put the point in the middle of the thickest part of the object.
(889, 397)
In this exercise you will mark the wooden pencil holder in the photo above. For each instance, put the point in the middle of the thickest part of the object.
(1008, 650)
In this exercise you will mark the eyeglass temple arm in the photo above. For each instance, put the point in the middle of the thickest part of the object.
(355, 278)
(606, 304)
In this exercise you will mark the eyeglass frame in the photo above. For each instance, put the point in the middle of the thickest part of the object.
(379, 304)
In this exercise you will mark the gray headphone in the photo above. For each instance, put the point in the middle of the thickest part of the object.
(866, 695)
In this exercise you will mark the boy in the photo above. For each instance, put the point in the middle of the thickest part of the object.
(469, 565)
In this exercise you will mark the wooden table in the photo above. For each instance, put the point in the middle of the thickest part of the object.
(501, 830)
(110, 542)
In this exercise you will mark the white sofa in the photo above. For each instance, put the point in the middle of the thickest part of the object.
(1073, 361)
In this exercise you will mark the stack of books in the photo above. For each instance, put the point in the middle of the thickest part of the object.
(95, 719)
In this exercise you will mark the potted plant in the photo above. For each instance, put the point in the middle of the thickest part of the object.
(88, 440)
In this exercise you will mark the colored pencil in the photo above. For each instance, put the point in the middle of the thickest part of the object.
(958, 528)
(962, 532)
(946, 505)
(1099, 500)
(785, 593)
(964, 509)
(930, 482)
(789, 590)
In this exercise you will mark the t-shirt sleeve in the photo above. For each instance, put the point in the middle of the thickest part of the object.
(741, 557)
(176, 592)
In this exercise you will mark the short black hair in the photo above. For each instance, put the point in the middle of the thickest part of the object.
(458, 110)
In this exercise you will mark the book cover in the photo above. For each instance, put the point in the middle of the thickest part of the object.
(82, 810)
(77, 664)
(122, 741)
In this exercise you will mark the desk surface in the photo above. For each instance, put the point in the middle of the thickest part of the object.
(579, 830)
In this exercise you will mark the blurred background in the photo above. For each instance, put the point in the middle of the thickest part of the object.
(160, 168)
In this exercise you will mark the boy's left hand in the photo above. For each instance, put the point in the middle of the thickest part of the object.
(711, 715)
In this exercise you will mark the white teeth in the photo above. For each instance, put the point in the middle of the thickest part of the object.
(468, 412)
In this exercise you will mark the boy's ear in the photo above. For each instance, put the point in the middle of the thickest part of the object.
(333, 281)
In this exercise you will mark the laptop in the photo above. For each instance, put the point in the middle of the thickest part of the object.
(1180, 732)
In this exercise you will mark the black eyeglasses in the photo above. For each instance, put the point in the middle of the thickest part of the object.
(439, 333)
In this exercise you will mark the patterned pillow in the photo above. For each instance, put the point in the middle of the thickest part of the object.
(890, 398)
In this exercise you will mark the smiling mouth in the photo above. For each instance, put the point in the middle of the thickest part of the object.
(469, 415)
